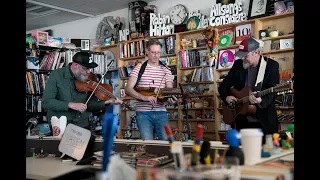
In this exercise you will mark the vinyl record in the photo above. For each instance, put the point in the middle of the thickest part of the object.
(193, 23)
(224, 40)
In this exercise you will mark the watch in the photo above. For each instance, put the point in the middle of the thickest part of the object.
(178, 14)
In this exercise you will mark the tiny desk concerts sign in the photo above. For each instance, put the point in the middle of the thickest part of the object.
(74, 141)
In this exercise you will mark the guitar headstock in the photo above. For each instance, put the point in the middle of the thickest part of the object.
(284, 87)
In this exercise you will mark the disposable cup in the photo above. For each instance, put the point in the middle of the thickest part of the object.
(251, 140)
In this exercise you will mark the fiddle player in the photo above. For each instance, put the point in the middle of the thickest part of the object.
(61, 97)
(258, 73)
(150, 113)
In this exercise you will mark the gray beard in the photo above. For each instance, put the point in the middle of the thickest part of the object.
(81, 77)
(245, 65)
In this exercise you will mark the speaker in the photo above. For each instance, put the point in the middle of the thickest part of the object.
(84, 44)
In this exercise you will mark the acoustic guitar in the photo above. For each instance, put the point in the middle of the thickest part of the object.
(243, 107)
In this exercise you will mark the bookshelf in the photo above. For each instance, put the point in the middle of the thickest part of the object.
(212, 105)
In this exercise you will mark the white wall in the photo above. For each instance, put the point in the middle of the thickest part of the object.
(86, 28)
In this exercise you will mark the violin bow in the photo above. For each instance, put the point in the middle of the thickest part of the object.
(159, 88)
(108, 67)
(160, 85)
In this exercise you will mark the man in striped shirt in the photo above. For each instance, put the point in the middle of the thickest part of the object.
(150, 114)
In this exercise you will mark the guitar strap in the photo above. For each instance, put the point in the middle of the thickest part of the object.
(142, 69)
(261, 72)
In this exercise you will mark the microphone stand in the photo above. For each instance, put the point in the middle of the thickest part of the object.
(185, 110)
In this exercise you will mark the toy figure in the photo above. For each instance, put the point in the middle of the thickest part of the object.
(211, 36)
(233, 140)
(276, 139)
(285, 144)
(290, 128)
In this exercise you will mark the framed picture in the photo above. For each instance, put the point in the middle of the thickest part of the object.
(258, 8)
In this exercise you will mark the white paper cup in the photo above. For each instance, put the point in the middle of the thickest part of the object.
(251, 142)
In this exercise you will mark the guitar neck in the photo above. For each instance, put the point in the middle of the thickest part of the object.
(257, 94)
(264, 92)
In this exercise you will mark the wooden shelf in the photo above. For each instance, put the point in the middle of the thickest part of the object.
(229, 47)
(279, 37)
(193, 67)
(278, 51)
(268, 18)
(132, 58)
(159, 37)
(223, 69)
(196, 48)
(108, 46)
(133, 40)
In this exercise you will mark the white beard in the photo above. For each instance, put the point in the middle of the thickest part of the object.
(245, 65)
(81, 77)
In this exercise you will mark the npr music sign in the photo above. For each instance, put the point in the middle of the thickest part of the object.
(226, 14)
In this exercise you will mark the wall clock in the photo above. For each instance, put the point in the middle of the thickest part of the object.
(178, 14)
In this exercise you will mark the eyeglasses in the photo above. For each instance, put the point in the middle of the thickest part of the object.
(155, 53)
(83, 68)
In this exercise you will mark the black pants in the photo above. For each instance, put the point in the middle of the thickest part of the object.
(242, 122)
(89, 150)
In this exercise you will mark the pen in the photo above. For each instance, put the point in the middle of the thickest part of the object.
(196, 145)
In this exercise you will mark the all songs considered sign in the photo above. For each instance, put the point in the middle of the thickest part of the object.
(221, 14)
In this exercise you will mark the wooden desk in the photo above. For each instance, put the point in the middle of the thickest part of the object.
(49, 167)
(287, 155)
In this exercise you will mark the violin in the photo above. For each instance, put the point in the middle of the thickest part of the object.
(102, 91)
(162, 94)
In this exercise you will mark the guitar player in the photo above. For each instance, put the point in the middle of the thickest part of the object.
(257, 73)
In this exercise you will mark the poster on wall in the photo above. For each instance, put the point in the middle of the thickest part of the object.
(258, 8)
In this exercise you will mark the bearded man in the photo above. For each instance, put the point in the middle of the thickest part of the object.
(61, 98)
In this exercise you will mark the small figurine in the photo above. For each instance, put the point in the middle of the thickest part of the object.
(285, 144)
(276, 139)
(276, 143)
(291, 129)
(233, 140)
(211, 36)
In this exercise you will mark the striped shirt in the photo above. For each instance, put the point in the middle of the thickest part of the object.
(152, 77)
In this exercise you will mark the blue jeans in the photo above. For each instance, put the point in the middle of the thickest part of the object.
(152, 120)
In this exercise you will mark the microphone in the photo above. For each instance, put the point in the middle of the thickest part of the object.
(33, 122)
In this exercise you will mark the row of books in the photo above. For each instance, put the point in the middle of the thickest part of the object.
(202, 74)
(35, 83)
(190, 58)
(132, 49)
(56, 59)
(33, 104)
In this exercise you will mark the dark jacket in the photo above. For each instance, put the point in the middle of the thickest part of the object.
(266, 111)
(60, 90)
